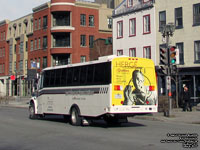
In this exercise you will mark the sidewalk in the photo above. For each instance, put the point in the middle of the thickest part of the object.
(178, 116)
(19, 102)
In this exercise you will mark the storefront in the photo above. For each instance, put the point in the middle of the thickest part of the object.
(185, 76)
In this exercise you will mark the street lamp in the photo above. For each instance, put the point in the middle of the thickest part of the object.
(167, 30)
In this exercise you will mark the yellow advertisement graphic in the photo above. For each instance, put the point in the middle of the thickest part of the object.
(133, 81)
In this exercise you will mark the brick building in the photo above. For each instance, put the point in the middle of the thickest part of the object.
(64, 30)
(101, 47)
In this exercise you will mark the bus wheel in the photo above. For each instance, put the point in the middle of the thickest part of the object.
(75, 117)
(32, 114)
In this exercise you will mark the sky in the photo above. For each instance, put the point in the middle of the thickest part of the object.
(14, 9)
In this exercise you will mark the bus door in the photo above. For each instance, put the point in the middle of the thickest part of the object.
(39, 94)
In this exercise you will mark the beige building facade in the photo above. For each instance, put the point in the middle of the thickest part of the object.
(17, 39)
(185, 14)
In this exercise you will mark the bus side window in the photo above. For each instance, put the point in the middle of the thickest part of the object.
(52, 78)
(69, 76)
(63, 77)
(99, 75)
(46, 78)
(107, 67)
(83, 76)
(76, 75)
(58, 77)
(90, 74)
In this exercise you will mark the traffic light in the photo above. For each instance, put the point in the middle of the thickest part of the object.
(174, 55)
(164, 70)
(173, 69)
(163, 55)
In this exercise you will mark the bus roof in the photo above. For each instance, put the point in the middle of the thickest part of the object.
(100, 60)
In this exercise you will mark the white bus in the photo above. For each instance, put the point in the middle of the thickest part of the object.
(111, 88)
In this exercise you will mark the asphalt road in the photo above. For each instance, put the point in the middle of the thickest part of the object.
(17, 132)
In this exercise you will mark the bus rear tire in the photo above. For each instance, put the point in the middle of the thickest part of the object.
(32, 114)
(75, 117)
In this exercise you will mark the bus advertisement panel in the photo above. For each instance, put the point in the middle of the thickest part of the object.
(133, 82)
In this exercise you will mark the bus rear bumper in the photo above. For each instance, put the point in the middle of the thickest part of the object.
(136, 109)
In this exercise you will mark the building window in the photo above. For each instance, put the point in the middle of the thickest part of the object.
(39, 23)
(45, 22)
(197, 51)
(21, 62)
(132, 52)
(181, 52)
(162, 19)
(31, 25)
(83, 58)
(83, 20)
(147, 52)
(91, 20)
(35, 44)
(4, 35)
(20, 28)
(91, 40)
(4, 52)
(196, 14)
(146, 24)
(10, 67)
(31, 45)
(26, 46)
(119, 52)
(83, 40)
(15, 50)
(45, 42)
(178, 18)
(109, 23)
(26, 64)
(38, 63)
(61, 39)
(21, 46)
(145, 1)
(44, 65)
(132, 27)
(130, 3)
(120, 29)
(35, 24)
(39, 43)
(15, 66)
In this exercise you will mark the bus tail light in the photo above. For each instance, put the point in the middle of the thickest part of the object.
(118, 88)
(151, 88)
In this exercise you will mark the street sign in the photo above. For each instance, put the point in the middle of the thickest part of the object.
(31, 74)
(12, 77)
(168, 82)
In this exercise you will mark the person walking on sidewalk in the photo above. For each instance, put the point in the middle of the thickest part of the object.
(186, 99)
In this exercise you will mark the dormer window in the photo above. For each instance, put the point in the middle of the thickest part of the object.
(130, 3)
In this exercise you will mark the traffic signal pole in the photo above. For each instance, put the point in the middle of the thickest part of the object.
(167, 31)
(169, 80)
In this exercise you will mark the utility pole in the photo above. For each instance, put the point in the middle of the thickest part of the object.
(167, 31)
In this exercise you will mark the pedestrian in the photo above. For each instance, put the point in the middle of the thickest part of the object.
(186, 99)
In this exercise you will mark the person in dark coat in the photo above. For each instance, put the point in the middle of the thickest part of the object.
(186, 99)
